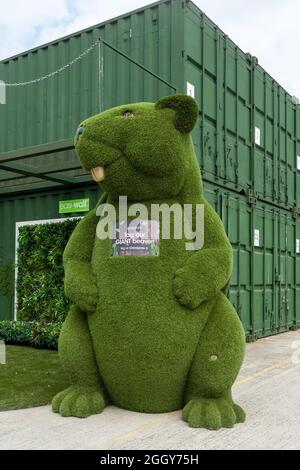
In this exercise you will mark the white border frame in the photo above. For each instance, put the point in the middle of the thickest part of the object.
(23, 224)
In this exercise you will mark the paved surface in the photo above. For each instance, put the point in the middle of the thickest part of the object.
(268, 388)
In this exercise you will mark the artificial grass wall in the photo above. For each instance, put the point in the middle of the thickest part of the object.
(40, 288)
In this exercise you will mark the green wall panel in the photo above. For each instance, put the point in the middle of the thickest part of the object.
(265, 284)
(175, 40)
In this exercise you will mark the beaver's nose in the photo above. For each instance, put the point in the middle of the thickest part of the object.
(79, 132)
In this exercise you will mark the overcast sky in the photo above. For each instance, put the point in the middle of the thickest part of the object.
(269, 29)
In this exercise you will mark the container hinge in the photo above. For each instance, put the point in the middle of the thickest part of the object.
(251, 58)
(252, 199)
(295, 212)
(277, 277)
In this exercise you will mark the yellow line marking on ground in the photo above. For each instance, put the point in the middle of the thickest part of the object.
(149, 425)
(260, 373)
(155, 422)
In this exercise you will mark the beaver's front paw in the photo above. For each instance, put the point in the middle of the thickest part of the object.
(212, 413)
(83, 292)
(184, 289)
(80, 402)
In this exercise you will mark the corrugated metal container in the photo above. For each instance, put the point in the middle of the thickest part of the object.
(248, 137)
(51, 110)
(249, 133)
(265, 286)
(33, 207)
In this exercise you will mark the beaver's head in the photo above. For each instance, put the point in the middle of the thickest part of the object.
(143, 150)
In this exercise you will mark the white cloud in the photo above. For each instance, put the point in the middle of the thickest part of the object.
(268, 29)
(24, 25)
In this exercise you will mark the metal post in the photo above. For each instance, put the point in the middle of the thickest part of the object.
(101, 76)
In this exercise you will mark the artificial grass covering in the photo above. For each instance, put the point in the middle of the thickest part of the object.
(150, 334)
(30, 377)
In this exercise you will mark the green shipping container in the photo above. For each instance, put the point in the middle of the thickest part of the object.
(248, 135)
(265, 285)
(247, 140)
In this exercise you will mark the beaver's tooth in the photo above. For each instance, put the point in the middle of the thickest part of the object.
(98, 174)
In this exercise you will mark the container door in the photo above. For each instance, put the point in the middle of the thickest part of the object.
(282, 311)
(193, 88)
(290, 153)
(267, 276)
(285, 276)
(297, 274)
(236, 216)
(292, 247)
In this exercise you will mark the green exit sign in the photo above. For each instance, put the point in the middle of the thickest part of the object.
(74, 205)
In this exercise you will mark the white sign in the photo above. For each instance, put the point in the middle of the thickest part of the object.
(257, 136)
(297, 245)
(190, 89)
(256, 237)
(2, 92)
(298, 162)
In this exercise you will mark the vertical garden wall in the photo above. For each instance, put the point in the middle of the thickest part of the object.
(40, 291)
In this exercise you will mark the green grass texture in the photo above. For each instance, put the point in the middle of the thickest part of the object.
(30, 377)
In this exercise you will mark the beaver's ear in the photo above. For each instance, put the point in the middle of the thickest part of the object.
(186, 111)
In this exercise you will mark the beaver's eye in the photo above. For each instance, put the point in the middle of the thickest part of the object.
(79, 132)
(128, 113)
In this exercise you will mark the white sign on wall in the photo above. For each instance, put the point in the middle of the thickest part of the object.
(256, 237)
(190, 89)
(298, 162)
(257, 136)
(297, 245)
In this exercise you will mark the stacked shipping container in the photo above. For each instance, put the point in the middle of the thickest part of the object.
(247, 138)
